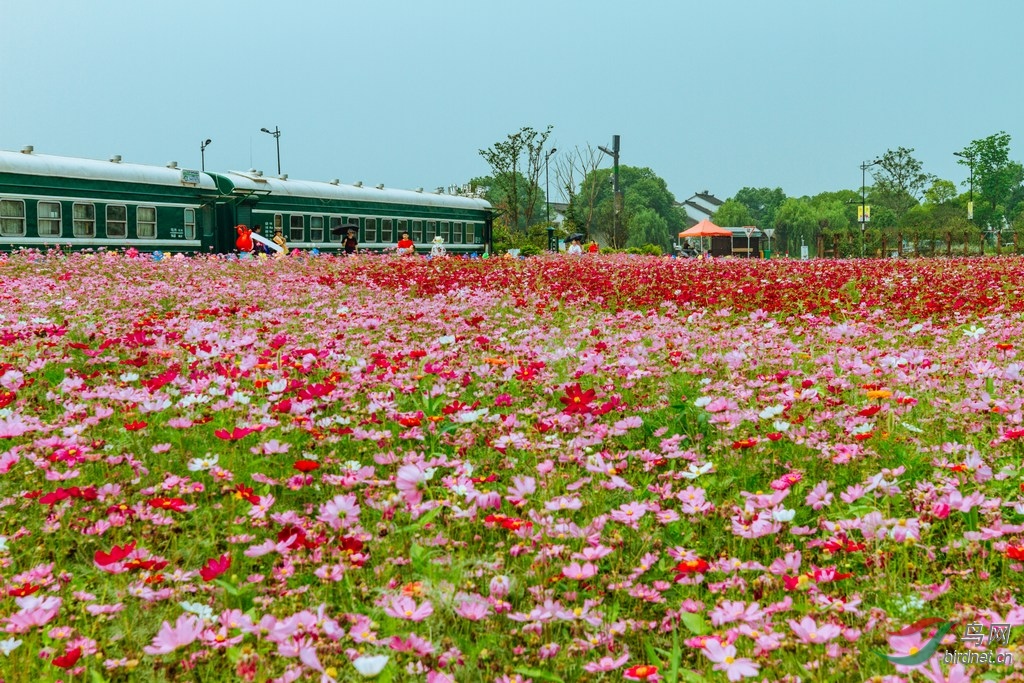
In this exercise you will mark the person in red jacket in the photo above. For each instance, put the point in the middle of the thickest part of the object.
(406, 247)
(592, 247)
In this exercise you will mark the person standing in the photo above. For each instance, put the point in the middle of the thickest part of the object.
(351, 242)
(406, 247)
(280, 241)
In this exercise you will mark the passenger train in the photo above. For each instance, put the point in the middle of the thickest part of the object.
(53, 201)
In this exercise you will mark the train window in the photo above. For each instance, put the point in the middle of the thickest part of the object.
(431, 230)
(48, 219)
(316, 228)
(457, 239)
(278, 223)
(336, 223)
(83, 220)
(417, 231)
(385, 230)
(297, 229)
(145, 222)
(444, 230)
(370, 233)
(117, 220)
(12, 217)
(403, 227)
(190, 224)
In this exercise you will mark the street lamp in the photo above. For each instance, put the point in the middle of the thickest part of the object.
(202, 151)
(614, 154)
(864, 200)
(547, 188)
(277, 138)
(970, 202)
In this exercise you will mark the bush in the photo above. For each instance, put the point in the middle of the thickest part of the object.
(531, 249)
(651, 250)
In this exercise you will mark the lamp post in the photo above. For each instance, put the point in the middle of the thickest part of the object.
(547, 188)
(863, 201)
(970, 201)
(202, 151)
(277, 138)
(614, 154)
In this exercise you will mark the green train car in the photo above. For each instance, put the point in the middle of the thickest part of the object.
(52, 201)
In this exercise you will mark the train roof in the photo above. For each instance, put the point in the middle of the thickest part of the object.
(30, 163)
(244, 182)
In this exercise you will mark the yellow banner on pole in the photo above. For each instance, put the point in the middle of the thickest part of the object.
(863, 214)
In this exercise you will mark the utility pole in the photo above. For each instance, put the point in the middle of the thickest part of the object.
(614, 154)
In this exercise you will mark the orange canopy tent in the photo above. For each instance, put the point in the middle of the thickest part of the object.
(705, 229)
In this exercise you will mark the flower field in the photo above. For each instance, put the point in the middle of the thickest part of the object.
(557, 469)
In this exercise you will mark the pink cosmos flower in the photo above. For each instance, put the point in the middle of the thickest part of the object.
(579, 572)
(186, 630)
(808, 631)
(725, 660)
(474, 610)
(606, 664)
(341, 512)
(404, 607)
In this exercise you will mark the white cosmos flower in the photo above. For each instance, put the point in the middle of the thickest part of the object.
(770, 412)
(3, 543)
(8, 646)
(783, 515)
(204, 612)
(912, 428)
(692, 472)
(467, 416)
(129, 377)
(446, 340)
(204, 463)
(277, 386)
(781, 425)
(974, 332)
(702, 401)
(863, 428)
(370, 666)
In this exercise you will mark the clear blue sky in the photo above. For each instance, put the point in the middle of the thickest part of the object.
(713, 95)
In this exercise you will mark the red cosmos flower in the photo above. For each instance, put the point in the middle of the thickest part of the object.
(305, 466)
(22, 591)
(641, 672)
(282, 406)
(863, 437)
(576, 400)
(215, 567)
(510, 523)
(135, 426)
(869, 411)
(237, 433)
(744, 443)
(68, 659)
(116, 554)
(774, 436)
(411, 420)
(1015, 552)
(154, 580)
(246, 493)
(351, 544)
(148, 565)
(160, 503)
(698, 566)
(6, 398)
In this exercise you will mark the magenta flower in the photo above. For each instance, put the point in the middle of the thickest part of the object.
(341, 512)
(606, 664)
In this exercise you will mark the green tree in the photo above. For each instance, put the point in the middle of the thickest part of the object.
(995, 177)
(899, 182)
(642, 189)
(796, 225)
(940, 192)
(647, 226)
(762, 204)
(505, 158)
(733, 214)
